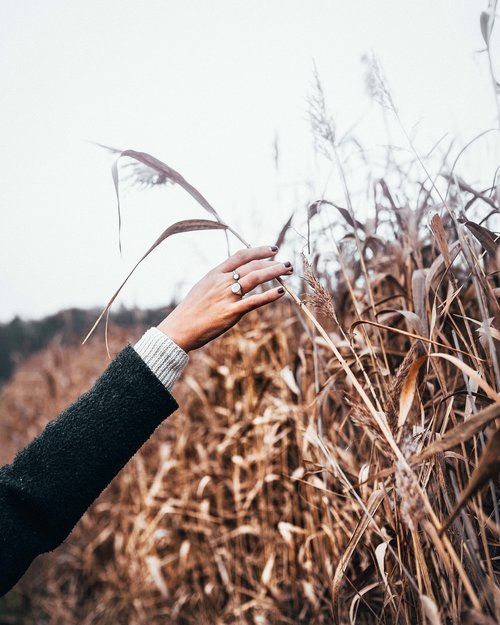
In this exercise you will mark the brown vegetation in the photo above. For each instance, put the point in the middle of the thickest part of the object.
(275, 494)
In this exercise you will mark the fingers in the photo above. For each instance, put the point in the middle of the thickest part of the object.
(245, 255)
(260, 299)
(254, 278)
(255, 265)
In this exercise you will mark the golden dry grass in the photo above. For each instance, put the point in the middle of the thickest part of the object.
(274, 494)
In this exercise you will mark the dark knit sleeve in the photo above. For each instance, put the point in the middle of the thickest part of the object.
(53, 480)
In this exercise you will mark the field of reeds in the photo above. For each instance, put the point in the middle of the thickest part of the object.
(343, 476)
(335, 457)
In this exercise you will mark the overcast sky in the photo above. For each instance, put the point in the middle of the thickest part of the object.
(207, 87)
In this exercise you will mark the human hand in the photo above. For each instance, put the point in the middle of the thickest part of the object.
(211, 308)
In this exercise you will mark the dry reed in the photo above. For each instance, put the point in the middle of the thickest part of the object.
(274, 495)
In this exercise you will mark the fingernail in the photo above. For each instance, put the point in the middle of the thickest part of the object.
(281, 290)
(287, 264)
(274, 248)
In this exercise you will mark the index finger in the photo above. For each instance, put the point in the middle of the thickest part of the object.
(245, 255)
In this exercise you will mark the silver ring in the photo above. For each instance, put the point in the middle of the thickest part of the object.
(236, 275)
(236, 288)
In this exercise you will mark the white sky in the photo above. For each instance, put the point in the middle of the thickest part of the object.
(205, 86)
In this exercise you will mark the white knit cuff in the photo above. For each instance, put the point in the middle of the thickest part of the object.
(162, 355)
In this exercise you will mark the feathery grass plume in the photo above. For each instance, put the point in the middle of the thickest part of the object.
(376, 82)
(319, 299)
(139, 174)
(322, 123)
(361, 417)
(411, 507)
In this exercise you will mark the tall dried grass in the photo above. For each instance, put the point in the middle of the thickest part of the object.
(275, 494)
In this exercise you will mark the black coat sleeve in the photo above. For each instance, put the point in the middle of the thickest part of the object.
(53, 480)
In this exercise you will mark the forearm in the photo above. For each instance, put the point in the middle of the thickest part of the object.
(53, 480)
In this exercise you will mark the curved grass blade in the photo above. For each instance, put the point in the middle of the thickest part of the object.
(372, 506)
(409, 384)
(487, 469)
(456, 436)
(355, 324)
(281, 236)
(460, 433)
(437, 227)
(487, 239)
(490, 392)
(186, 225)
(314, 210)
(408, 390)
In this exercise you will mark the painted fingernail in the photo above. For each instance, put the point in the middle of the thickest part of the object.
(274, 248)
(288, 264)
(281, 290)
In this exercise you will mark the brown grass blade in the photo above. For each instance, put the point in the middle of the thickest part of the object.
(372, 505)
(460, 433)
(420, 300)
(405, 333)
(408, 390)
(282, 234)
(186, 225)
(314, 210)
(486, 24)
(440, 235)
(484, 236)
(487, 469)
(490, 392)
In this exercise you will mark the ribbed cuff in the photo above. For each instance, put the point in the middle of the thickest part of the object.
(162, 355)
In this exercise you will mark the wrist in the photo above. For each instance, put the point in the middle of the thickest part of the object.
(175, 333)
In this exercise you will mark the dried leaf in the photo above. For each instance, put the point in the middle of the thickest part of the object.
(414, 320)
(154, 566)
(490, 392)
(487, 469)
(356, 600)
(460, 433)
(314, 210)
(282, 234)
(420, 300)
(408, 390)
(287, 375)
(440, 235)
(265, 578)
(372, 506)
(380, 552)
(484, 236)
(430, 610)
(484, 22)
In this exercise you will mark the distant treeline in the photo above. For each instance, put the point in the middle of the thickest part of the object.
(19, 338)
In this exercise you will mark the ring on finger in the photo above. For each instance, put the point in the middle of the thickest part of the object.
(236, 287)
